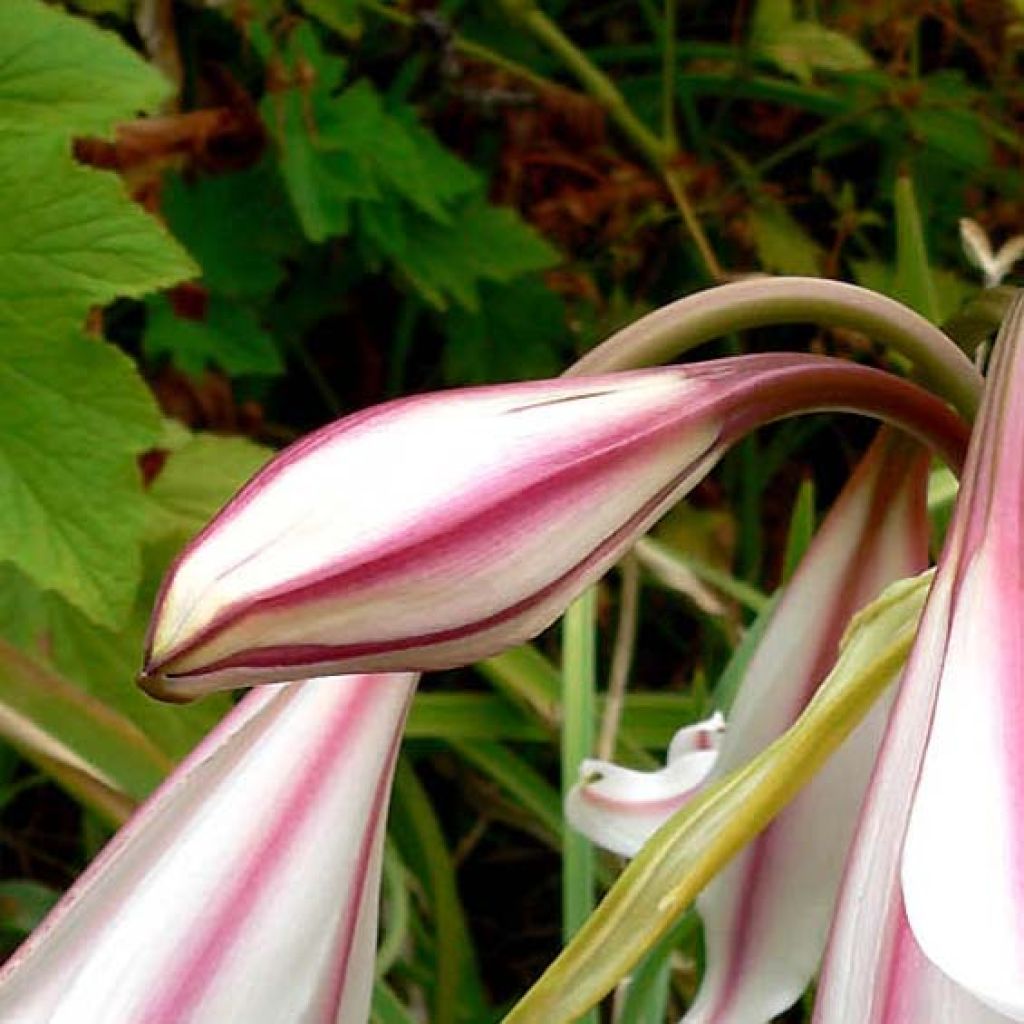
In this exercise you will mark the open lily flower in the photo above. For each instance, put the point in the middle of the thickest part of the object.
(933, 900)
(766, 916)
(246, 888)
(434, 531)
(621, 808)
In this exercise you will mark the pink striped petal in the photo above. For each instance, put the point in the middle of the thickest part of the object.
(766, 915)
(619, 809)
(434, 531)
(869, 960)
(963, 862)
(875, 972)
(246, 887)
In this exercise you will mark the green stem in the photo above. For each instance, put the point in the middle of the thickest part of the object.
(699, 840)
(579, 699)
(762, 302)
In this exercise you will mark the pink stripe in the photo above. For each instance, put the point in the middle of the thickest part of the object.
(349, 925)
(640, 808)
(190, 981)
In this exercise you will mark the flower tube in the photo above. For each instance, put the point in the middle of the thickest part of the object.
(934, 893)
(766, 916)
(246, 887)
(434, 531)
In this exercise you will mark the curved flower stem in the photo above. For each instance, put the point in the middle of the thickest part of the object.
(699, 840)
(764, 301)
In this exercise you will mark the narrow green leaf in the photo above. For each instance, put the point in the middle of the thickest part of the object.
(529, 679)
(801, 528)
(457, 993)
(649, 719)
(729, 681)
(913, 282)
(98, 755)
(579, 693)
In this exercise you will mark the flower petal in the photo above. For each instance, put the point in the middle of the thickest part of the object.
(766, 915)
(875, 972)
(246, 887)
(963, 862)
(619, 809)
(861, 979)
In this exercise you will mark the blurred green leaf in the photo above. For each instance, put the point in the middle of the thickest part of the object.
(230, 336)
(213, 215)
(102, 662)
(799, 47)
(343, 16)
(518, 332)
(340, 148)
(23, 905)
(782, 244)
(97, 754)
(448, 262)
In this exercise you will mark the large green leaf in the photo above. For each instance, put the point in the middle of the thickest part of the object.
(63, 74)
(196, 481)
(73, 417)
(72, 239)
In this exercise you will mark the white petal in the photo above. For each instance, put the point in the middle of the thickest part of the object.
(963, 876)
(621, 809)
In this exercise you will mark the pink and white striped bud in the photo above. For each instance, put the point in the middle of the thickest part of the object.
(246, 887)
(434, 531)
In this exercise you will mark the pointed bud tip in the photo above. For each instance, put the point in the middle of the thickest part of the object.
(156, 686)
